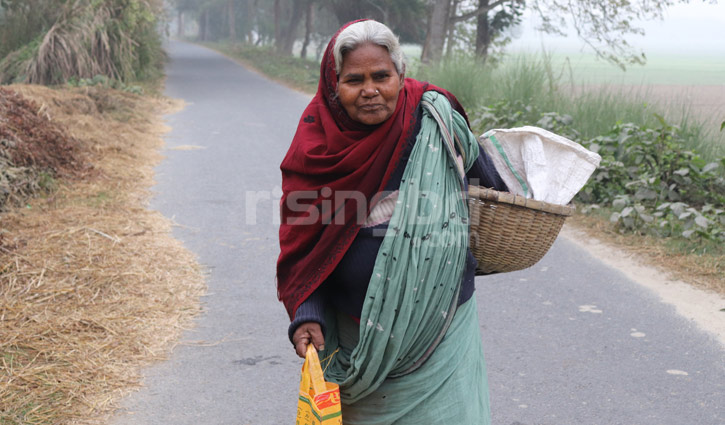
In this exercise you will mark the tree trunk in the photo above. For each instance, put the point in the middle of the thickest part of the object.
(278, 23)
(290, 33)
(347, 11)
(483, 31)
(252, 13)
(203, 22)
(232, 20)
(451, 30)
(207, 27)
(318, 51)
(308, 28)
(436, 37)
(180, 24)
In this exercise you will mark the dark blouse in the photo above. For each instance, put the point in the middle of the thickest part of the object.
(345, 288)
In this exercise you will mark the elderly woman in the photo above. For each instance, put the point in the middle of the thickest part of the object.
(375, 269)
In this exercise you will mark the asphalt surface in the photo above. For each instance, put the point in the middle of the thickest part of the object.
(568, 342)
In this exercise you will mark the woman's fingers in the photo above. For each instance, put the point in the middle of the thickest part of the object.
(301, 346)
(317, 338)
(306, 333)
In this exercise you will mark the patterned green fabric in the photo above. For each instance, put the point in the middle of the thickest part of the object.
(413, 293)
(450, 388)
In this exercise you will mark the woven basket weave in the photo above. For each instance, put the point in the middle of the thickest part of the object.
(510, 232)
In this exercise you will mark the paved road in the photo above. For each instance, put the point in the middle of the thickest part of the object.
(569, 341)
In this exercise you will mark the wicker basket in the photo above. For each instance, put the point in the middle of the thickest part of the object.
(510, 232)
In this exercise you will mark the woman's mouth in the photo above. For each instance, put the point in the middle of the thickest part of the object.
(370, 108)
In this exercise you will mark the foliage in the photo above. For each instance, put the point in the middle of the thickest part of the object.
(406, 18)
(656, 185)
(604, 25)
(22, 21)
(532, 86)
(648, 179)
(103, 81)
(254, 21)
(489, 37)
(116, 38)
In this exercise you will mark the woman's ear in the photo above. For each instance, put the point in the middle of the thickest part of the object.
(402, 81)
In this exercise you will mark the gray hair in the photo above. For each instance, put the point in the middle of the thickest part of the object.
(368, 32)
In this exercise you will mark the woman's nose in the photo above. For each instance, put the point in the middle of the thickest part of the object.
(370, 91)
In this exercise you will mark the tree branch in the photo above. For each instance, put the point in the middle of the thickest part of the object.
(469, 15)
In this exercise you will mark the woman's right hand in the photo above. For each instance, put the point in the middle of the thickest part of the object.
(306, 333)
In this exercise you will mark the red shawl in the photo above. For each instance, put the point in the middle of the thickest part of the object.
(330, 175)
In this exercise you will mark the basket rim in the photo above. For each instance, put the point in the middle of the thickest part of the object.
(487, 194)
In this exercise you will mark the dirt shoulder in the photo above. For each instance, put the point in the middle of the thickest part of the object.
(92, 284)
(695, 302)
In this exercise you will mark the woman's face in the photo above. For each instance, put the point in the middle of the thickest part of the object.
(368, 85)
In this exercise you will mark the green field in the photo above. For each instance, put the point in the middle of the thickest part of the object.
(586, 68)
(660, 69)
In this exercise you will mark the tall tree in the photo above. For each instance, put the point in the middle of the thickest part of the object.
(289, 34)
(483, 30)
(451, 30)
(204, 28)
(438, 22)
(602, 24)
(23, 20)
(405, 17)
(232, 18)
(286, 23)
(491, 24)
(309, 19)
(278, 23)
(182, 8)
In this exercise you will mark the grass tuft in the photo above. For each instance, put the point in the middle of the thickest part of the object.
(89, 38)
(532, 81)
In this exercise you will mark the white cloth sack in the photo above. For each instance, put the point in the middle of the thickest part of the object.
(539, 164)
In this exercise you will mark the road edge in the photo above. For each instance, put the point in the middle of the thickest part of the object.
(704, 308)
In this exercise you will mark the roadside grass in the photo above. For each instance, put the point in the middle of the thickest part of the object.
(92, 285)
(295, 72)
(534, 83)
(538, 87)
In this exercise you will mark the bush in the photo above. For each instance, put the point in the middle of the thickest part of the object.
(657, 186)
(648, 178)
(116, 38)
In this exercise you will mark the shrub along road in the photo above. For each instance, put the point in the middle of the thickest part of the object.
(569, 341)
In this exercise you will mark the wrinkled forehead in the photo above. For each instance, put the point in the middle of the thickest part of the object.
(366, 58)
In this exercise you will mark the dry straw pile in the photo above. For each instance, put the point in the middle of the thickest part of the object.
(33, 150)
(92, 285)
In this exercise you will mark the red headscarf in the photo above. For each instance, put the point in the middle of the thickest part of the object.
(330, 150)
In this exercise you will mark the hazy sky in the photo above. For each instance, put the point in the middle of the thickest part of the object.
(697, 28)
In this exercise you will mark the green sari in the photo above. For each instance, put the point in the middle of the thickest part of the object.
(414, 358)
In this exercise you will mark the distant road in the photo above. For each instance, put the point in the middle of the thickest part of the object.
(570, 341)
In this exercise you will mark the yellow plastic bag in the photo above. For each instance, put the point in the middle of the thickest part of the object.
(319, 402)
